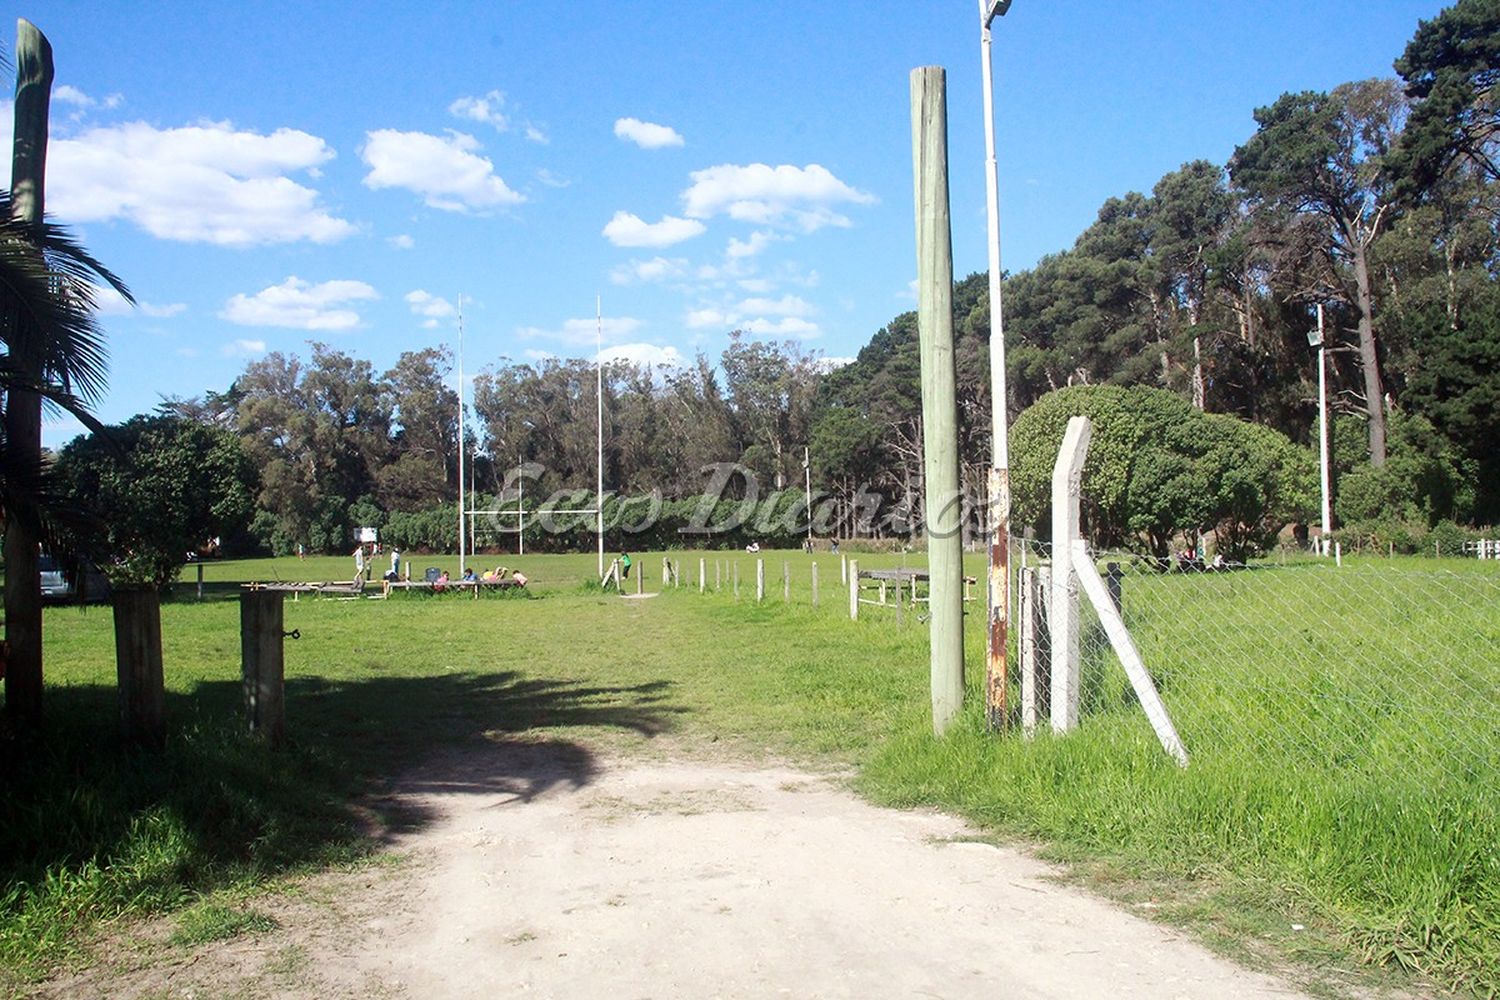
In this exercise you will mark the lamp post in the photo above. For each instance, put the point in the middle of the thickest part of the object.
(1315, 339)
(999, 484)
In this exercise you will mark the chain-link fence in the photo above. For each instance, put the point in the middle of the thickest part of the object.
(1372, 667)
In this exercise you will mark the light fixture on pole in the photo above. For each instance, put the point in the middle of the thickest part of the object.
(999, 484)
(1316, 339)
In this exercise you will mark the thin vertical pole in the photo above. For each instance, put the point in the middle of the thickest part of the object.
(702, 574)
(760, 580)
(853, 578)
(998, 590)
(1323, 436)
(1067, 478)
(929, 116)
(807, 477)
(520, 509)
(599, 400)
(815, 584)
(460, 434)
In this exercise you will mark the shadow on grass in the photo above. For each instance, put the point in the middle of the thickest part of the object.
(90, 827)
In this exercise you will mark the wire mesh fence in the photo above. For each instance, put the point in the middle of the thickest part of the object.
(1375, 667)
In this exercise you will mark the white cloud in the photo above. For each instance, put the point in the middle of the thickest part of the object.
(653, 270)
(401, 241)
(244, 348)
(787, 326)
(582, 332)
(697, 319)
(536, 135)
(111, 303)
(430, 307)
(802, 197)
(486, 109)
(647, 135)
(207, 183)
(552, 180)
(627, 230)
(787, 305)
(650, 355)
(300, 306)
(446, 172)
(68, 94)
(757, 286)
(758, 241)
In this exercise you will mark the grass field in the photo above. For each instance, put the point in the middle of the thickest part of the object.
(1356, 826)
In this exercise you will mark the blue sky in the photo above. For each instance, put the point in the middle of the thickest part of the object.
(267, 174)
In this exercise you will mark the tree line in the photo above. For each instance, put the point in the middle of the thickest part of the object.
(1375, 200)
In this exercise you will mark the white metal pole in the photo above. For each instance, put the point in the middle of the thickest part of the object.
(521, 510)
(1323, 433)
(998, 590)
(460, 434)
(807, 477)
(599, 398)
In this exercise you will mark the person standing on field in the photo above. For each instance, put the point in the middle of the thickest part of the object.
(625, 565)
(359, 562)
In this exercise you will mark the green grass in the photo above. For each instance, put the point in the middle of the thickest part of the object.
(1333, 783)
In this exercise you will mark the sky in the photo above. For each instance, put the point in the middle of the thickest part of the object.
(265, 175)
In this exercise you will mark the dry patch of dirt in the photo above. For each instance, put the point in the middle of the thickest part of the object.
(529, 869)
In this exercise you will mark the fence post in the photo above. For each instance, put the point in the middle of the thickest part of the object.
(843, 569)
(1042, 631)
(760, 580)
(786, 581)
(815, 584)
(851, 571)
(677, 574)
(143, 695)
(900, 615)
(640, 581)
(261, 663)
(1026, 641)
(718, 576)
(702, 574)
(666, 572)
(736, 579)
(1113, 576)
(1067, 486)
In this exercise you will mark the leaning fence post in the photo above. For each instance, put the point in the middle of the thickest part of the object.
(851, 570)
(1067, 486)
(261, 663)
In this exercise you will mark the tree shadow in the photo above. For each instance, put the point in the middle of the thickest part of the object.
(364, 762)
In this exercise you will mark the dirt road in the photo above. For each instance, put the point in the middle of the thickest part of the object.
(535, 872)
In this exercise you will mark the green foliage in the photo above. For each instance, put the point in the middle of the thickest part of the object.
(1158, 468)
(1424, 480)
(161, 488)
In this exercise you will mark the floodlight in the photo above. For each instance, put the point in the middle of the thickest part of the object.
(996, 8)
(1314, 338)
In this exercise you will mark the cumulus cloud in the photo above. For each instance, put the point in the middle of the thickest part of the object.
(244, 348)
(647, 135)
(445, 170)
(627, 230)
(757, 321)
(800, 197)
(650, 355)
(109, 302)
(68, 94)
(486, 109)
(582, 332)
(698, 319)
(552, 180)
(758, 241)
(206, 183)
(299, 305)
(401, 241)
(649, 271)
(787, 326)
(430, 307)
(787, 305)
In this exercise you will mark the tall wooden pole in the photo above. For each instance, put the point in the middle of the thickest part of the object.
(23, 410)
(944, 501)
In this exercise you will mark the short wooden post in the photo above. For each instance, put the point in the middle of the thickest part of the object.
(718, 576)
(261, 663)
(736, 579)
(786, 581)
(882, 593)
(138, 666)
(666, 572)
(760, 580)
(677, 573)
(815, 584)
(702, 574)
(852, 572)
(200, 580)
(640, 582)
(1067, 482)
(900, 614)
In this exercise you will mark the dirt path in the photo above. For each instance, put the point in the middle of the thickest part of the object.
(676, 879)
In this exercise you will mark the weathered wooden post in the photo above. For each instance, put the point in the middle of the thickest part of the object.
(640, 582)
(677, 574)
(262, 665)
(23, 408)
(760, 580)
(815, 584)
(718, 576)
(702, 574)
(851, 570)
(736, 579)
(200, 579)
(1067, 485)
(138, 665)
(843, 569)
(943, 499)
(786, 581)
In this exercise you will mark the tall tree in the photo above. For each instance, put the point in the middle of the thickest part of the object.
(1322, 156)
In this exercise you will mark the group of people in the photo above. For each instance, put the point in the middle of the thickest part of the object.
(499, 574)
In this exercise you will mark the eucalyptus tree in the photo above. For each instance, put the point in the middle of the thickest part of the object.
(1320, 158)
